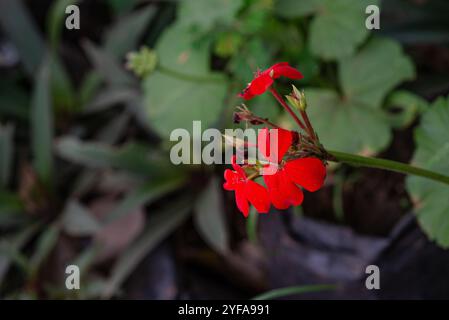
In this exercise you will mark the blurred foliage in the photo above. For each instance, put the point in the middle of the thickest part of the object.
(84, 144)
(431, 198)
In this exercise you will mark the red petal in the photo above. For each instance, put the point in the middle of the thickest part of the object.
(231, 179)
(284, 70)
(276, 151)
(247, 95)
(237, 168)
(241, 200)
(307, 172)
(283, 192)
(257, 196)
(260, 84)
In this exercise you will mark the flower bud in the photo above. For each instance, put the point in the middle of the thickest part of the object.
(297, 99)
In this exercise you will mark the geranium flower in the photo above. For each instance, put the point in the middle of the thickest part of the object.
(263, 80)
(246, 190)
(282, 185)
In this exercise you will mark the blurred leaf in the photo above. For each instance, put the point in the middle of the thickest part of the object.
(227, 44)
(18, 25)
(209, 217)
(10, 246)
(124, 35)
(42, 125)
(337, 28)
(159, 225)
(431, 198)
(205, 14)
(132, 157)
(109, 97)
(63, 93)
(179, 50)
(254, 55)
(76, 220)
(145, 194)
(410, 106)
(355, 122)
(6, 153)
(89, 86)
(113, 238)
(107, 66)
(173, 103)
(288, 291)
(184, 89)
(45, 244)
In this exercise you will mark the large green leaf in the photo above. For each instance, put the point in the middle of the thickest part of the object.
(337, 28)
(205, 14)
(431, 198)
(355, 121)
(184, 89)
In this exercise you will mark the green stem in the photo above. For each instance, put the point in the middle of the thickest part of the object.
(390, 165)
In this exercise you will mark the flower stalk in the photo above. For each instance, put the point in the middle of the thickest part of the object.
(390, 165)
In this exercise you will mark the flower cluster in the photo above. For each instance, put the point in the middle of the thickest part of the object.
(292, 163)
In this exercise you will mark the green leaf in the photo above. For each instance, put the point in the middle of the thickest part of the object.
(6, 153)
(144, 195)
(405, 106)
(45, 244)
(42, 125)
(205, 14)
(184, 89)
(337, 28)
(374, 71)
(178, 49)
(356, 122)
(107, 66)
(209, 217)
(133, 157)
(431, 198)
(10, 247)
(76, 220)
(159, 225)
(63, 93)
(173, 103)
(288, 291)
(124, 35)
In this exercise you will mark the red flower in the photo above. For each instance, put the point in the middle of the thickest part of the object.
(263, 80)
(282, 185)
(246, 191)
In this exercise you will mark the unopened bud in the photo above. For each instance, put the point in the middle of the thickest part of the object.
(297, 99)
